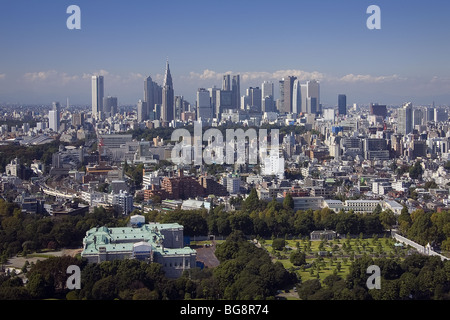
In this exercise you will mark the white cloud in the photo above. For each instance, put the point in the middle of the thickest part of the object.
(300, 74)
(50, 76)
(369, 78)
(2, 76)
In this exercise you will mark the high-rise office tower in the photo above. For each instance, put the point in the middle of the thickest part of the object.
(296, 97)
(440, 115)
(149, 94)
(97, 96)
(213, 95)
(224, 101)
(267, 96)
(110, 107)
(254, 98)
(342, 104)
(429, 114)
(167, 97)
(54, 117)
(204, 109)
(226, 83)
(236, 91)
(417, 117)
(179, 106)
(312, 98)
(288, 87)
(405, 119)
(304, 98)
(280, 102)
(267, 89)
(378, 110)
(142, 111)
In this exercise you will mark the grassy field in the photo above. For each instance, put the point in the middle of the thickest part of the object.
(324, 258)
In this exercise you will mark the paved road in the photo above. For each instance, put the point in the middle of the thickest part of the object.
(207, 256)
(19, 262)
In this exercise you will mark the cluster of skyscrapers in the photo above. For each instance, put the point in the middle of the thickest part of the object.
(102, 106)
(160, 103)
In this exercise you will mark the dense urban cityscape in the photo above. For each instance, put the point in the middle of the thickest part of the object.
(347, 171)
(225, 159)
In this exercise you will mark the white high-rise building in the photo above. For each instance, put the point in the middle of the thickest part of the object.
(54, 117)
(267, 89)
(97, 96)
(296, 97)
(304, 97)
(405, 119)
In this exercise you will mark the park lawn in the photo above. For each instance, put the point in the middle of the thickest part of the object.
(327, 266)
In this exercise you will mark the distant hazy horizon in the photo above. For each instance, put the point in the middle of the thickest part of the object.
(327, 40)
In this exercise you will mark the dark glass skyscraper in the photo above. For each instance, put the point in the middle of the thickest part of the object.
(342, 104)
(288, 89)
(167, 97)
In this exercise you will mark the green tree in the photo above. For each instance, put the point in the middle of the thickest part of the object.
(251, 203)
(288, 202)
(387, 219)
(278, 244)
(297, 258)
(415, 171)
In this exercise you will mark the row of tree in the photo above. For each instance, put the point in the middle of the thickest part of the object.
(266, 219)
(426, 227)
(417, 277)
(26, 233)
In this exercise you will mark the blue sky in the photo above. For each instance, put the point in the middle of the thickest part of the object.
(407, 60)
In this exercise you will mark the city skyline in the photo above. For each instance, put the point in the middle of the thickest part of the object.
(263, 41)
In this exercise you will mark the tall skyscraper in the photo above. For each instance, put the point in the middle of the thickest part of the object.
(204, 108)
(142, 111)
(304, 98)
(342, 104)
(405, 119)
(313, 97)
(226, 83)
(167, 97)
(236, 91)
(149, 94)
(54, 117)
(97, 96)
(418, 117)
(179, 107)
(429, 114)
(213, 93)
(440, 115)
(110, 106)
(280, 101)
(288, 88)
(296, 97)
(254, 98)
(267, 96)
